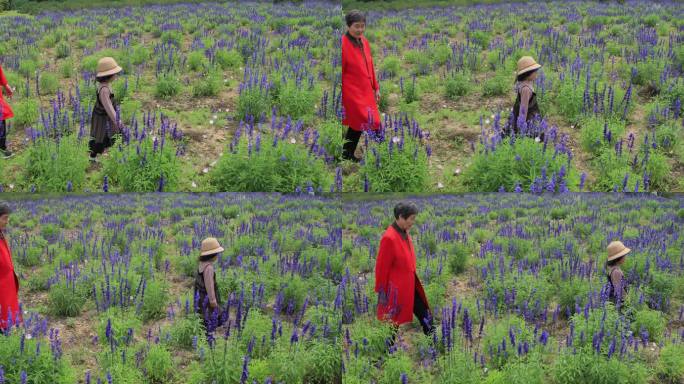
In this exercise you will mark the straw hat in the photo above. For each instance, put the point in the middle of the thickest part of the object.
(107, 66)
(210, 246)
(616, 250)
(526, 64)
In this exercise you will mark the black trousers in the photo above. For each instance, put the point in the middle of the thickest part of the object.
(351, 140)
(420, 310)
(97, 148)
(3, 135)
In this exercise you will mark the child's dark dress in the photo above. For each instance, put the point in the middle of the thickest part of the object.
(101, 130)
(532, 109)
(203, 307)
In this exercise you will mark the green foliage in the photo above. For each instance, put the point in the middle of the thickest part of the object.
(67, 299)
(499, 333)
(154, 301)
(158, 364)
(282, 167)
(197, 61)
(391, 168)
(28, 68)
(569, 101)
(50, 165)
(650, 320)
(458, 367)
(331, 137)
(410, 92)
(391, 65)
(208, 85)
(324, 364)
(490, 170)
(671, 364)
(228, 59)
(67, 69)
(140, 167)
(457, 85)
(167, 87)
(253, 102)
(297, 100)
(397, 364)
(184, 329)
(39, 364)
(63, 50)
(458, 254)
(498, 85)
(26, 112)
(592, 134)
(586, 367)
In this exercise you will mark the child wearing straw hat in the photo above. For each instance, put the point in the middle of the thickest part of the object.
(206, 289)
(616, 279)
(103, 124)
(525, 108)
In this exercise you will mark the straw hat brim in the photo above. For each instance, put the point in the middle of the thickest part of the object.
(528, 69)
(619, 254)
(110, 72)
(212, 251)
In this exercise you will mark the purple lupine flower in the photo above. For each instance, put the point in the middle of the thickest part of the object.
(544, 338)
(518, 188)
(245, 371)
(23, 377)
(404, 378)
(105, 185)
(583, 178)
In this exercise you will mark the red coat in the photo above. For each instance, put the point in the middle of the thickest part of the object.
(5, 110)
(9, 287)
(358, 86)
(395, 272)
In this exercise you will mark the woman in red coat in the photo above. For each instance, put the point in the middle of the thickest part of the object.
(400, 293)
(9, 282)
(5, 113)
(360, 88)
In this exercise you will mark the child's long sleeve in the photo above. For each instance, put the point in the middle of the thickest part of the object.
(209, 284)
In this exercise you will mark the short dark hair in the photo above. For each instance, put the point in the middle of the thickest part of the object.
(614, 262)
(5, 208)
(208, 257)
(525, 75)
(405, 210)
(103, 78)
(354, 16)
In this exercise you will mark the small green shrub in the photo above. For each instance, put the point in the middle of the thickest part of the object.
(167, 87)
(154, 301)
(264, 167)
(143, 166)
(51, 165)
(158, 365)
(671, 364)
(457, 85)
(67, 299)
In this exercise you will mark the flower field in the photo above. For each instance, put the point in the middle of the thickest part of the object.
(107, 290)
(219, 97)
(517, 288)
(516, 284)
